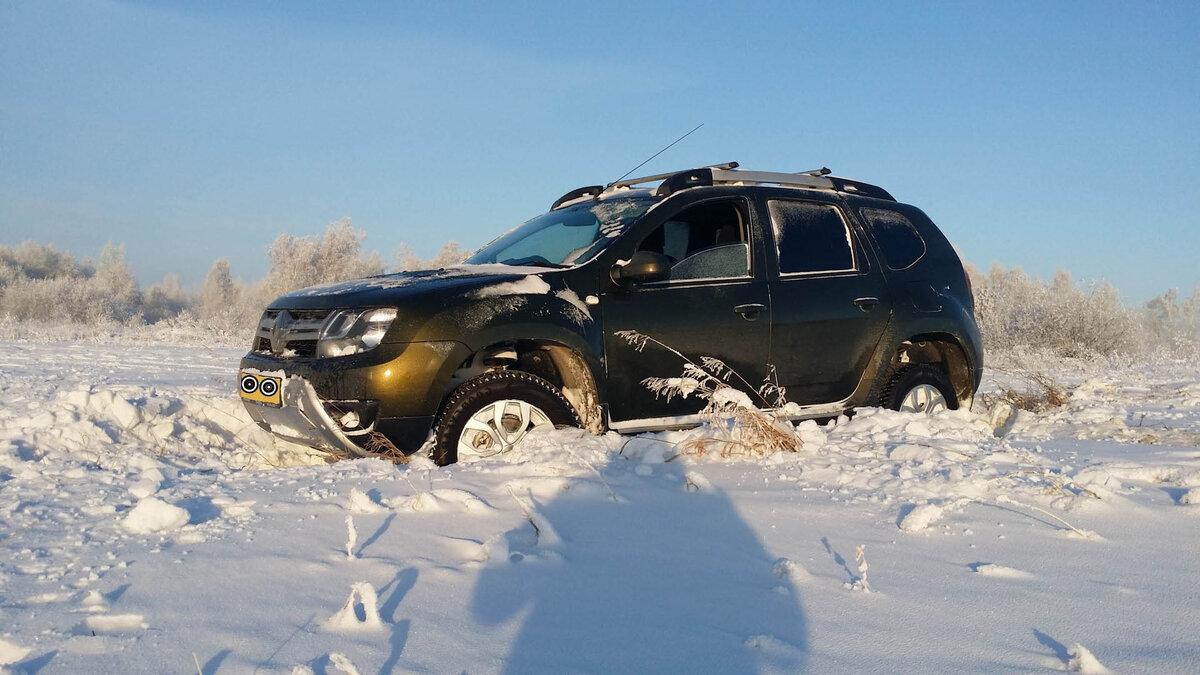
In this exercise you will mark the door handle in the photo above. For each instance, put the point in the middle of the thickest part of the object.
(866, 304)
(750, 311)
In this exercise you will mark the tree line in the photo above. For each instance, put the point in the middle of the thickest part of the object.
(39, 283)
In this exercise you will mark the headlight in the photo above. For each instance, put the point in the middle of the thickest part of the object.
(352, 331)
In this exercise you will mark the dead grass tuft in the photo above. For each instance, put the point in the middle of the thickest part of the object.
(379, 445)
(1041, 393)
(744, 426)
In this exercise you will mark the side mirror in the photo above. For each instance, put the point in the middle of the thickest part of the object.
(643, 267)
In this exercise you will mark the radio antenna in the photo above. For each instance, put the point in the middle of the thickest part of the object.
(654, 155)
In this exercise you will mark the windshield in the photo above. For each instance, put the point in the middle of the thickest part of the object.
(566, 237)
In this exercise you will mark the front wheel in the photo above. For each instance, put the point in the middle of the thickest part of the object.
(491, 413)
(921, 389)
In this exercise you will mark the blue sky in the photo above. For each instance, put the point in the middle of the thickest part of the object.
(1043, 135)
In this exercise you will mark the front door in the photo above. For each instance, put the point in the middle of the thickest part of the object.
(716, 304)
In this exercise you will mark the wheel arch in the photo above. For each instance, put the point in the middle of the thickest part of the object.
(557, 361)
(939, 349)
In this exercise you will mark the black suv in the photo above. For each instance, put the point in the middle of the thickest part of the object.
(851, 297)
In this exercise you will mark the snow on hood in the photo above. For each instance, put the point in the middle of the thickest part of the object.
(529, 285)
(405, 279)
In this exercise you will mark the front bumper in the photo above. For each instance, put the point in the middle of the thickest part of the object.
(396, 389)
(303, 419)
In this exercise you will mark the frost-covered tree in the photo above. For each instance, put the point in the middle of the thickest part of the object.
(1174, 323)
(165, 299)
(59, 299)
(219, 295)
(1017, 311)
(451, 253)
(41, 283)
(297, 262)
(115, 280)
(408, 259)
(39, 261)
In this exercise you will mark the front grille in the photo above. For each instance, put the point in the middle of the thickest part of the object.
(303, 347)
(290, 333)
(317, 315)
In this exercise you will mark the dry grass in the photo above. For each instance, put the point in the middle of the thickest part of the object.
(1041, 392)
(1055, 483)
(379, 445)
(752, 432)
(742, 427)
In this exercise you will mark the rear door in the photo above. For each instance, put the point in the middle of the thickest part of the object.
(831, 302)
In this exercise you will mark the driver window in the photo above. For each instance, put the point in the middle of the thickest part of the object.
(706, 241)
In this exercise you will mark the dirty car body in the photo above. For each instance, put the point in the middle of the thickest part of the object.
(827, 285)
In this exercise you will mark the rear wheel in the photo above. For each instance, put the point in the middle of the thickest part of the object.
(920, 388)
(491, 413)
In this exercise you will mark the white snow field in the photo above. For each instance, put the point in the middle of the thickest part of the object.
(146, 526)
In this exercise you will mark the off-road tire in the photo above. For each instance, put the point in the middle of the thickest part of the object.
(912, 376)
(477, 393)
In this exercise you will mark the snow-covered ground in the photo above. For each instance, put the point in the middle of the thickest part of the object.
(147, 526)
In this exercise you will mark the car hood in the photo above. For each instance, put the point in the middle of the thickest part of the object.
(392, 289)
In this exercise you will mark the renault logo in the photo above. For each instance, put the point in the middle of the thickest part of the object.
(279, 332)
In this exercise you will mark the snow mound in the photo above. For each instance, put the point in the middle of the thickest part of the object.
(342, 663)
(10, 652)
(792, 571)
(111, 624)
(152, 516)
(1083, 661)
(771, 645)
(348, 620)
(441, 500)
(695, 481)
(360, 502)
(921, 517)
(999, 571)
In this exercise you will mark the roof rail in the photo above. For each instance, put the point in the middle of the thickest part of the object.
(579, 193)
(726, 174)
(597, 190)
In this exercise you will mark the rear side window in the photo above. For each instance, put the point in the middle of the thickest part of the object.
(900, 242)
(810, 238)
